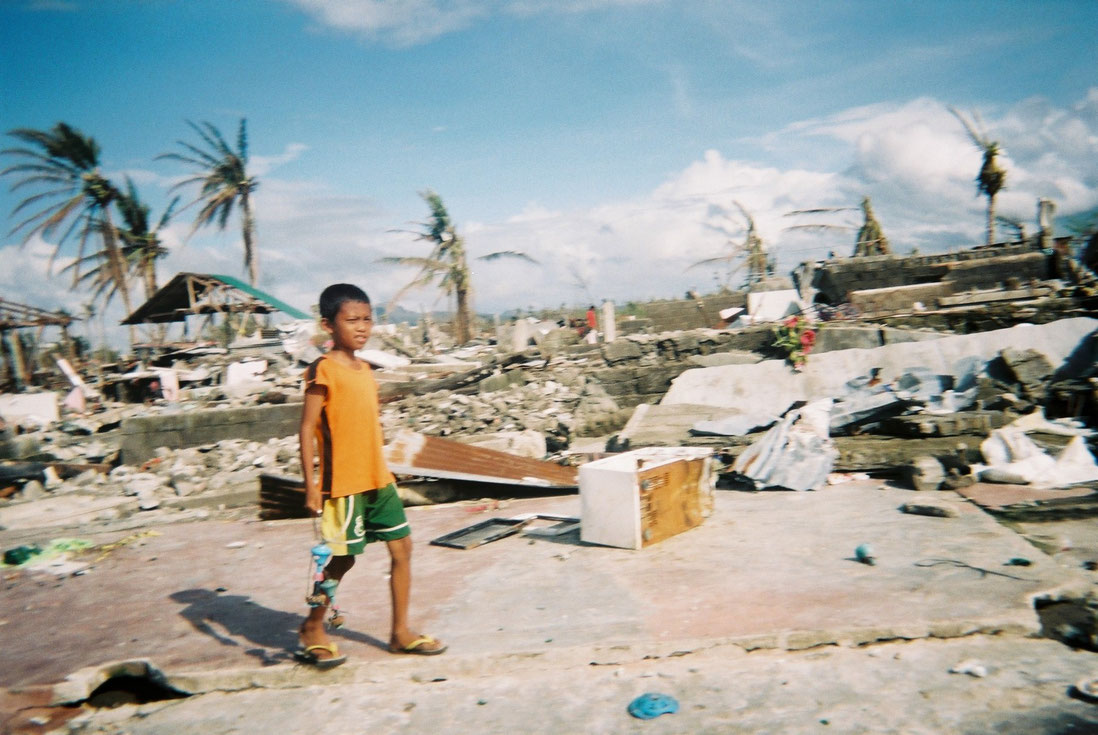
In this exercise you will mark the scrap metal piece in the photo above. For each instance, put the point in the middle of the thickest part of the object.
(481, 533)
(409, 453)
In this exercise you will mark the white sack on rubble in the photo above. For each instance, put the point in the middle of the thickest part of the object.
(1013, 458)
(796, 453)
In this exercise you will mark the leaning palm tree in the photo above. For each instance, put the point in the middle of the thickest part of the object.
(870, 240)
(749, 254)
(446, 265)
(225, 184)
(63, 164)
(141, 245)
(141, 248)
(992, 178)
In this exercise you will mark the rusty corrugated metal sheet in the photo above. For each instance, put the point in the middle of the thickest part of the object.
(409, 453)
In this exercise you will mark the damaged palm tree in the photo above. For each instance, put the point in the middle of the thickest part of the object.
(141, 247)
(871, 239)
(446, 265)
(749, 254)
(225, 184)
(992, 178)
(64, 164)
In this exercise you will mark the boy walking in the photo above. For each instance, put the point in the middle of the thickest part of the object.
(353, 492)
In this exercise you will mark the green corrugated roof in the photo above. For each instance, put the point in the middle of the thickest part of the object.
(172, 303)
(262, 296)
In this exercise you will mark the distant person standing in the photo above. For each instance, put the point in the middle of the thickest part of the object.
(592, 319)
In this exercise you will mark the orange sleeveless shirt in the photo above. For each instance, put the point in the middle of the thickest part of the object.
(348, 436)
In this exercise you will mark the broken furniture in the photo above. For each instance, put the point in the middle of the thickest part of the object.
(638, 498)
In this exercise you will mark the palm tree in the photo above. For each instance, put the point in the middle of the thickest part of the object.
(225, 184)
(447, 263)
(870, 240)
(751, 253)
(992, 178)
(140, 248)
(63, 164)
(140, 245)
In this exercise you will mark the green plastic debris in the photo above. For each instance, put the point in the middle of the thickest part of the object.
(21, 554)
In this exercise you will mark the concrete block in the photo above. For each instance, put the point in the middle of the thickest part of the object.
(39, 406)
(621, 350)
(892, 336)
(141, 435)
(834, 337)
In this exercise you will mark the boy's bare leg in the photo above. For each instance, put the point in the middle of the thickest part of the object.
(400, 586)
(312, 630)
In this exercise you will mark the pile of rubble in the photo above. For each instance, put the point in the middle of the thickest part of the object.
(895, 397)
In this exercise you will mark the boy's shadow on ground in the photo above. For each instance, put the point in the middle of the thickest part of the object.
(229, 618)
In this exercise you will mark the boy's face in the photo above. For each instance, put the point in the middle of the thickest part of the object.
(352, 325)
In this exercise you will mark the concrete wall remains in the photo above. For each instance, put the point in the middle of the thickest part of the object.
(141, 435)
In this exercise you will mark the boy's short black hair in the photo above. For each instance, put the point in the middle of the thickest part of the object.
(333, 297)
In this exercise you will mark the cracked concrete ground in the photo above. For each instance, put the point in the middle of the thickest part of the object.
(557, 636)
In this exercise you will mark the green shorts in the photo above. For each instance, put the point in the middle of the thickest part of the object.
(349, 523)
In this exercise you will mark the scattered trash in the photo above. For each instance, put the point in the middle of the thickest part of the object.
(838, 478)
(236, 544)
(1013, 458)
(864, 554)
(21, 554)
(653, 704)
(926, 509)
(1017, 561)
(965, 565)
(481, 533)
(560, 525)
(971, 667)
(1087, 688)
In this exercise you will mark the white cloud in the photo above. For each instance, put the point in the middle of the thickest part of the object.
(402, 22)
(411, 22)
(914, 159)
(262, 165)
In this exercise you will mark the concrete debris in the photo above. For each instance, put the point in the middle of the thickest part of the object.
(935, 510)
(1012, 457)
(971, 667)
(926, 473)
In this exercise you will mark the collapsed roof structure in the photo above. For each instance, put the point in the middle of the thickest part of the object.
(207, 293)
(20, 316)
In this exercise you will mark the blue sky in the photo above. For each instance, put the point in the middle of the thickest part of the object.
(606, 138)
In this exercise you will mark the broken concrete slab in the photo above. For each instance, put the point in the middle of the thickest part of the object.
(37, 407)
(825, 374)
(660, 425)
(1029, 368)
(953, 424)
(1025, 502)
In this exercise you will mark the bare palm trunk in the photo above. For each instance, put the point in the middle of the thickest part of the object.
(251, 257)
(991, 219)
(149, 268)
(462, 317)
(118, 268)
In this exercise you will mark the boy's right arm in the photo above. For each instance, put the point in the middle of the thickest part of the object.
(310, 418)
